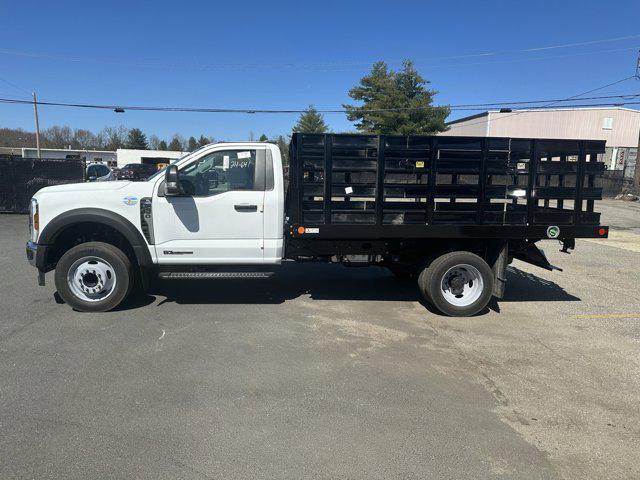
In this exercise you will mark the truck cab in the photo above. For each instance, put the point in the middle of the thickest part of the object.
(228, 209)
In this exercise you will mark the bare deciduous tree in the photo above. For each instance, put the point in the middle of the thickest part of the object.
(57, 137)
(114, 137)
(154, 142)
(17, 137)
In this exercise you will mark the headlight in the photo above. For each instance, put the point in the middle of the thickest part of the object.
(34, 220)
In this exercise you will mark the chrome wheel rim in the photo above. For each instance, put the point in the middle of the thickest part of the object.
(91, 279)
(462, 285)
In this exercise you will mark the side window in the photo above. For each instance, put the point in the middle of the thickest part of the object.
(91, 171)
(219, 172)
(102, 170)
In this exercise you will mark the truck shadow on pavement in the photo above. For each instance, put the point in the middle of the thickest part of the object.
(526, 287)
(331, 282)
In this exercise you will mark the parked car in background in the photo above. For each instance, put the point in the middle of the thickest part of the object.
(137, 171)
(99, 172)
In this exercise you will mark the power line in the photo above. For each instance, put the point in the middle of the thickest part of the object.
(527, 102)
(555, 102)
(14, 85)
(329, 65)
(579, 44)
(548, 103)
(529, 60)
(572, 105)
(463, 107)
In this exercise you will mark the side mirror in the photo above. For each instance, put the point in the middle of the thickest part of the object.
(172, 185)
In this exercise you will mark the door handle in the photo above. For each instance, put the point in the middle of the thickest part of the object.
(245, 207)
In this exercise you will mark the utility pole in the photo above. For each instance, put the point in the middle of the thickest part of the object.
(35, 114)
(636, 175)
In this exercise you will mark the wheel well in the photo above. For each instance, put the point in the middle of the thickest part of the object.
(417, 255)
(78, 233)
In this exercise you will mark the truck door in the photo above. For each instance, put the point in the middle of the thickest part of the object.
(219, 218)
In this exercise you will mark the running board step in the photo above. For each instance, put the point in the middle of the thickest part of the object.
(209, 275)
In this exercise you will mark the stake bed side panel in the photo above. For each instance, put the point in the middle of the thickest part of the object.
(389, 187)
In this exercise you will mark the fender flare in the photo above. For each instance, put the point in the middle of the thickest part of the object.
(98, 215)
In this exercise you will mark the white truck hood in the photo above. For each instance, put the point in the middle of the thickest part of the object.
(121, 197)
(85, 187)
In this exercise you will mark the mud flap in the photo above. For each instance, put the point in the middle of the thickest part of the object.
(535, 256)
(500, 271)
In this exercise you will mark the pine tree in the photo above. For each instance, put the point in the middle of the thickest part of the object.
(176, 144)
(283, 145)
(263, 138)
(311, 121)
(137, 140)
(162, 145)
(385, 90)
(192, 144)
(202, 141)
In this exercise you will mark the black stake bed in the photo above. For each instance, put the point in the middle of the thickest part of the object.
(391, 187)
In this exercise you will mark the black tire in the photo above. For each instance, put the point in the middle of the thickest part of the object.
(124, 276)
(431, 278)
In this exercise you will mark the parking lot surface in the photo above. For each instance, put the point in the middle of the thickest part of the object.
(328, 372)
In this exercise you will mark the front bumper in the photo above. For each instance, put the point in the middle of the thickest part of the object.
(32, 253)
(36, 255)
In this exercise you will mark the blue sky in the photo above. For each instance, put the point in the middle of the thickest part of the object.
(291, 54)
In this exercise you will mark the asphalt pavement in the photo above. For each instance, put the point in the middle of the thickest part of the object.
(328, 372)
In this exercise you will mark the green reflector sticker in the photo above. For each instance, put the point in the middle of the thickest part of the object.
(553, 231)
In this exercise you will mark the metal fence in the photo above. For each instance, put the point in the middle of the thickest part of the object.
(618, 181)
(20, 178)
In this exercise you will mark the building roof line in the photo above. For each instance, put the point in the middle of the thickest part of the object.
(66, 150)
(470, 117)
(537, 110)
(565, 109)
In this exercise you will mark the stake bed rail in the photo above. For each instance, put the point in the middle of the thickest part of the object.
(391, 187)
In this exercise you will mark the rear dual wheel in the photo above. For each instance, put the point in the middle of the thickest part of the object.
(458, 284)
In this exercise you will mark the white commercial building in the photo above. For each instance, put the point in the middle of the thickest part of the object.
(620, 127)
(126, 156)
(107, 157)
(119, 158)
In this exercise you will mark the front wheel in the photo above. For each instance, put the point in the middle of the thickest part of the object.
(94, 277)
(459, 284)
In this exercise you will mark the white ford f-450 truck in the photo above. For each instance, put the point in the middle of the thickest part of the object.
(448, 212)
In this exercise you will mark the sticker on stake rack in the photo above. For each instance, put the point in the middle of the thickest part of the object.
(303, 230)
(348, 190)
